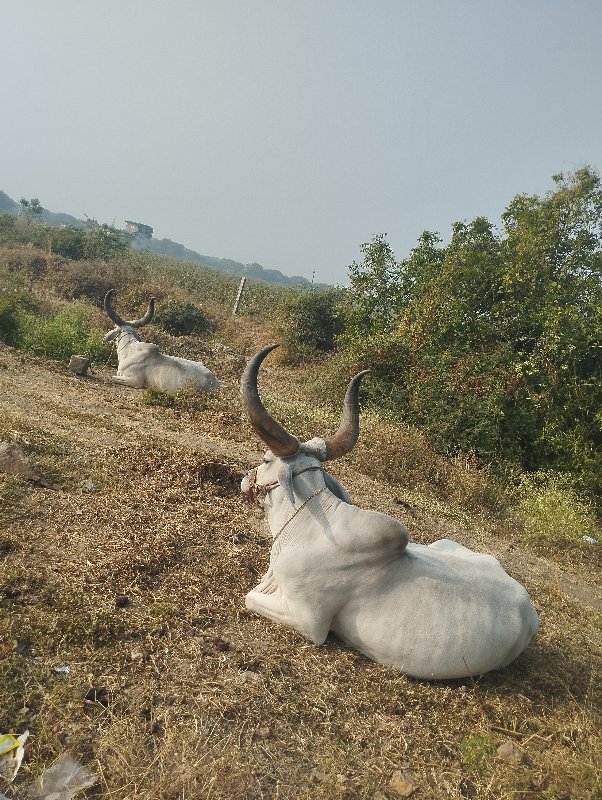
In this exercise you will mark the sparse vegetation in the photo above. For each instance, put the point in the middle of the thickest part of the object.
(476, 749)
(130, 567)
(551, 510)
(157, 397)
(61, 334)
(311, 322)
(182, 319)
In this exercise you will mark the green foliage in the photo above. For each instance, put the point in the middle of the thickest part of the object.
(493, 344)
(31, 209)
(182, 319)
(310, 324)
(61, 335)
(93, 241)
(476, 750)
(11, 305)
(371, 306)
(550, 509)
(104, 241)
(8, 224)
(157, 397)
(68, 241)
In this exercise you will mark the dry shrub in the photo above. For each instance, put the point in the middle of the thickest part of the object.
(399, 455)
(81, 279)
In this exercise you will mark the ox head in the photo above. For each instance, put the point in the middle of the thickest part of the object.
(121, 324)
(287, 456)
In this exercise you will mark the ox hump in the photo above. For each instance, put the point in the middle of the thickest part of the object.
(362, 531)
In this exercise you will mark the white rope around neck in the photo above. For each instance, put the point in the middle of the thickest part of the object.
(301, 507)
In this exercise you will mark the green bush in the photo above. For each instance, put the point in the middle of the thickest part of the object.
(9, 318)
(61, 335)
(68, 241)
(104, 241)
(550, 509)
(182, 319)
(310, 324)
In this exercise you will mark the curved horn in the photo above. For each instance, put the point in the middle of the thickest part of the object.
(347, 435)
(279, 440)
(136, 323)
(110, 311)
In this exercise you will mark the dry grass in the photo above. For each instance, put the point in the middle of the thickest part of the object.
(132, 572)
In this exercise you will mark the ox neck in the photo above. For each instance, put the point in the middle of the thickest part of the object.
(310, 492)
(124, 340)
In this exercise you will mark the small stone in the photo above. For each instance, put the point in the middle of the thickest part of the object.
(403, 784)
(511, 754)
(79, 365)
(248, 676)
(14, 462)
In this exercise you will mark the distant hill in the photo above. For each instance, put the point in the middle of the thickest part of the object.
(8, 206)
(171, 249)
(166, 247)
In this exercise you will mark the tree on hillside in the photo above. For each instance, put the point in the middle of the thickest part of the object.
(104, 241)
(493, 344)
(31, 209)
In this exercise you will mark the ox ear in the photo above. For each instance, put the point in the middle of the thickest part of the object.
(285, 479)
(110, 335)
(337, 488)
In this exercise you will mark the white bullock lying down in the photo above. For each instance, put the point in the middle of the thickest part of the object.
(141, 364)
(440, 611)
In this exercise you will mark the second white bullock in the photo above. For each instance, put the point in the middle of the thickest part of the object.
(436, 612)
(141, 364)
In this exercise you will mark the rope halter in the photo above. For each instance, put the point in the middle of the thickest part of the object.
(259, 491)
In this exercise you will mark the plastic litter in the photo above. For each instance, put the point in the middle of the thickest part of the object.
(589, 539)
(63, 668)
(62, 781)
(11, 754)
(8, 742)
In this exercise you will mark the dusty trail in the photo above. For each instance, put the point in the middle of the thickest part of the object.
(132, 570)
(94, 413)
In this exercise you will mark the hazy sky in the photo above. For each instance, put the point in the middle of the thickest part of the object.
(287, 132)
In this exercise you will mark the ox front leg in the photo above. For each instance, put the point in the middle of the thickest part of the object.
(311, 622)
(123, 380)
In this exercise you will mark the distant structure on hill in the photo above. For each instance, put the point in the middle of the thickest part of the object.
(141, 234)
(141, 237)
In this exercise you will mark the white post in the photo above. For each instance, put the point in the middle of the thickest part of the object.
(238, 296)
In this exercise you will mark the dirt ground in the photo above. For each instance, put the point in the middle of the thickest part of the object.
(128, 563)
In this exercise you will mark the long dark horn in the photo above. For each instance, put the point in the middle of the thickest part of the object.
(279, 440)
(136, 323)
(110, 311)
(349, 430)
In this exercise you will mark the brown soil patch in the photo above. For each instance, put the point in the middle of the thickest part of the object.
(132, 572)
